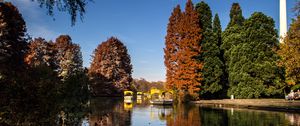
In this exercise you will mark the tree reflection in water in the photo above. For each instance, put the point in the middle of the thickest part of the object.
(214, 116)
(242, 117)
(109, 112)
(184, 115)
(67, 112)
(76, 111)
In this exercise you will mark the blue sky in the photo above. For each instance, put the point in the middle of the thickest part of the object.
(140, 24)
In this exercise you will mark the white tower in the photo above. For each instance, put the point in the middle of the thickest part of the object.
(283, 20)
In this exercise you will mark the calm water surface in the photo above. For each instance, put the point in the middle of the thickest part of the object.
(114, 112)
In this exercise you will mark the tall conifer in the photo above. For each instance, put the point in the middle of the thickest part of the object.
(172, 41)
(189, 75)
(231, 36)
(252, 67)
(212, 70)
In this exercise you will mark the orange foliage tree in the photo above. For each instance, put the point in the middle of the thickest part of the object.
(41, 52)
(111, 68)
(69, 57)
(182, 50)
(172, 40)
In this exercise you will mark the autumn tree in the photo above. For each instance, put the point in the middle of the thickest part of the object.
(213, 66)
(253, 72)
(12, 50)
(172, 42)
(189, 75)
(112, 66)
(41, 52)
(69, 57)
(290, 53)
(20, 87)
(12, 38)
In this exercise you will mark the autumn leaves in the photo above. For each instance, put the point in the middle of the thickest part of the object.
(182, 51)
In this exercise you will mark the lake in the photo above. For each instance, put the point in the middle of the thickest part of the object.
(114, 112)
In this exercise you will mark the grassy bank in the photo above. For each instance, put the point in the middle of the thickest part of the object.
(261, 104)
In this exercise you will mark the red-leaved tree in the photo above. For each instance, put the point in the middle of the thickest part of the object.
(111, 68)
(182, 53)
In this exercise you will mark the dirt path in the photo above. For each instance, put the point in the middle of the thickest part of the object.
(265, 104)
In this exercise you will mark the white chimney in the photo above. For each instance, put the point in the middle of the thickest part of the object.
(283, 20)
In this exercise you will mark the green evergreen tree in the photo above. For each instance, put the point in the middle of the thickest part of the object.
(231, 36)
(236, 16)
(252, 67)
(217, 29)
(212, 70)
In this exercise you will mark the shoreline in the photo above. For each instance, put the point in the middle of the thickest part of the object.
(281, 105)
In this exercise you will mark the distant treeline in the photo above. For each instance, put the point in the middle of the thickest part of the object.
(145, 86)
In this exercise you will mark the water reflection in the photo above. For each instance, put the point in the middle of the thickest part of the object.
(67, 112)
(115, 112)
(109, 112)
(294, 119)
(184, 115)
(243, 117)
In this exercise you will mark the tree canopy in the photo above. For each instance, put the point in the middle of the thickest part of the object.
(12, 37)
(252, 66)
(213, 66)
(290, 53)
(172, 42)
(68, 56)
(111, 64)
(182, 52)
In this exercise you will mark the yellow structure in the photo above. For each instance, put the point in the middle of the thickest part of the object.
(128, 106)
(128, 93)
(139, 93)
(128, 96)
(160, 94)
(155, 91)
(139, 101)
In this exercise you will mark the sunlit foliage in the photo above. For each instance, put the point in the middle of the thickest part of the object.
(112, 66)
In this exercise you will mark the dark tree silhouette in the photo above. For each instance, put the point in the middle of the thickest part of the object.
(73, 7)
(12, 37)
